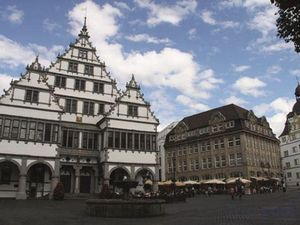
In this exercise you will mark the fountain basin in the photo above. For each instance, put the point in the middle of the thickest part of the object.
(125, 208)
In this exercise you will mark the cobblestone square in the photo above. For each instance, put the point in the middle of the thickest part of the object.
(276, 208)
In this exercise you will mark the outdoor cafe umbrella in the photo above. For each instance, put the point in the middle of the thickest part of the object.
(214, 181)
(149, 182)
(233, 180)
(190, 182)
(179, 184)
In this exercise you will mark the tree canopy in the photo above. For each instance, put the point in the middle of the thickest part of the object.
(288, 22)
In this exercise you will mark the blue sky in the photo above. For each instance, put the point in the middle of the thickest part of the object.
(189, 56)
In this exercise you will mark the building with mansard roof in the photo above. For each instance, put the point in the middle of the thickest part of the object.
(228, 141)
(69, 122)
(290, 144)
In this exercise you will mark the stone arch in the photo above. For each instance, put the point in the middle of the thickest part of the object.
(12, 161)
(9, 175)
(119, 167)
(40, 162)
(142, 170)
(39, 179)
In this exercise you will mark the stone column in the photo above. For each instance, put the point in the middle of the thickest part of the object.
(55, 176)
(96, 181)
(77, 179)
(21, 194)
(156, 179)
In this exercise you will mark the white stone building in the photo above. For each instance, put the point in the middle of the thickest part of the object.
(161, 138)
(290, 144)
(69, 122)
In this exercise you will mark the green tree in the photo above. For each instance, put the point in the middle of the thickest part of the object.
(288, 22)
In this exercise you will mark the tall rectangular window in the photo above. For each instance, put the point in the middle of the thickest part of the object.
(32, 130)
(110, 138)
(6, 129)
(123, 140)
(142, 141)
(88, 108)
(83, 54)
(89, 141)
(1, 124)
(71, 106)
(55, 133)
(98, 87)
(23, 130)
(32, 96)
(153, 142)
(79, 85)
(129, 141)
(136, 141)
(60, 82)
(148, 142)
(132, 110)
(47, 134)
(70, 139)
(232, 160)
(237, 140)
(15, 129)
(230, 141)
(117, 139)
(89, 70)
(101, 109)
(73, 67)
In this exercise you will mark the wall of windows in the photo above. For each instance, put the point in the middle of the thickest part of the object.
(131, 140)
(28, 130)
(70, 138)
(90, 140)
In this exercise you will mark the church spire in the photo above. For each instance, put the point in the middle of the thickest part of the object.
(84, 32)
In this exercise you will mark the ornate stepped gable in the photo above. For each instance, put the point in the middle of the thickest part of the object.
(82, 52)
(33, 80)
(132, 97)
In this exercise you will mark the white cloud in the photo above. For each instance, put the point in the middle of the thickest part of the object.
(19, 54)
(50, 25)
(169, 67)
(14, 15)
(241, 68)
(264, 21)
(295, 72)
(276, 47)
(274, 69)
(249, 4)
(234, 100)
(192, 104)
(122, 5)
(192, 33)
(277, 110)
(207, 17)
(162, 13)
(148, 39)
(250, 86)
(5, 82)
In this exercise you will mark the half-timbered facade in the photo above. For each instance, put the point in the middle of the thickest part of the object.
(69, 122)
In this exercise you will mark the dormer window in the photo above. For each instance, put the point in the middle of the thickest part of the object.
(32, 96)
(73, 67)
(132, 110)
(82, 54)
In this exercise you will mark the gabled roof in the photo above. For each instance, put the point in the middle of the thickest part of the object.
(230, 112)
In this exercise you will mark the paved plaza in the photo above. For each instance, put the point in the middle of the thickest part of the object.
(276, 208)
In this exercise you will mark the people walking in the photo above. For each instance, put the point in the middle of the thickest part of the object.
(232, 192)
